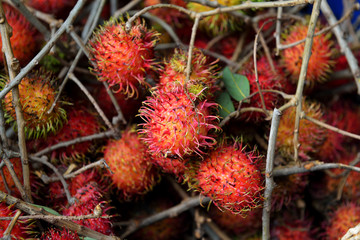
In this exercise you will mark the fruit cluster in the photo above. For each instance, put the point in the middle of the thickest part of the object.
(148, 123)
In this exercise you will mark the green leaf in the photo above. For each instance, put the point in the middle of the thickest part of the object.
(226, 104)
(237, 85)
(89, 238)
(47, 209)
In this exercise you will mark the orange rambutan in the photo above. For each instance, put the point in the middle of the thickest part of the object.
(219, 23)
(202, 78)
(37, 94)
(311, 136)
(129, 160)
(123, 58)
(320, 63)
(175, 125)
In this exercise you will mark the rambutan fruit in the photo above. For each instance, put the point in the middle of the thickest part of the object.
(56, 7)
(219, 23)
(174, 126)
(320, 62)
(123, 58)
(237, 224)
(129, 160)
(169, 15)
(311, 136)
(202, 78)
(16, 162)
(20, 230)
(268, 80)
(231, 177)
(288, 190)
(295, 230)
(23, 40)
(37, 94)
(344, 217)
(89, 197)
(56, 234)
(81, 122)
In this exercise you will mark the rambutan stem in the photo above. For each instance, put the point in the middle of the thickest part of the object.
(301, 82)
(13, 67)
(269, 181)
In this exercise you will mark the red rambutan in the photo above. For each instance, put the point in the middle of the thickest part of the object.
(295, 230)
(231, 177)
(23, 39)
(174, 126)
(320, 63)
(37, 94)
(344, 217)
(311, 136)
(88, 198)
(51, 6)
(129, 160)
(122, 58)
(174, 166)
(56, 234)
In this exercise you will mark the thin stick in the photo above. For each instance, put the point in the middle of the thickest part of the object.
(107, 134)
(34, 210)
(269, 181)
(13, 67)
(126, 8)
(301, 82)
(339, 34)
(92, 100)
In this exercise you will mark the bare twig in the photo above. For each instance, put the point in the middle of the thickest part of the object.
(171, 212)
(34, 210)
(107, 134)
(269, 181)
(352, 61)
(304, 65)
(13, 67)
(126, 8)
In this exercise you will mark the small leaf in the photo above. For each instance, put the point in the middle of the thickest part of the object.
(237, 85)
(47, 209)
(89, 238)
(226, 104)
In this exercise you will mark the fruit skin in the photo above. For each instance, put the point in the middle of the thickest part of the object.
(219, 23)
(344, 217)
(320, 62)
(231, 177)
(129, 160)
(122, 58)
(268, 80)
(88, 198)
(81, 122)
(21, 228)
(37, 94)
(56, 234)
(175, 166)
(202, 78)
(24, 36)
(56, 7)
(237, 224)
(16, 162)
(311, 136)
(174, 127)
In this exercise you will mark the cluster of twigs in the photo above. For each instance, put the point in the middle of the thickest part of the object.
(58, 28)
